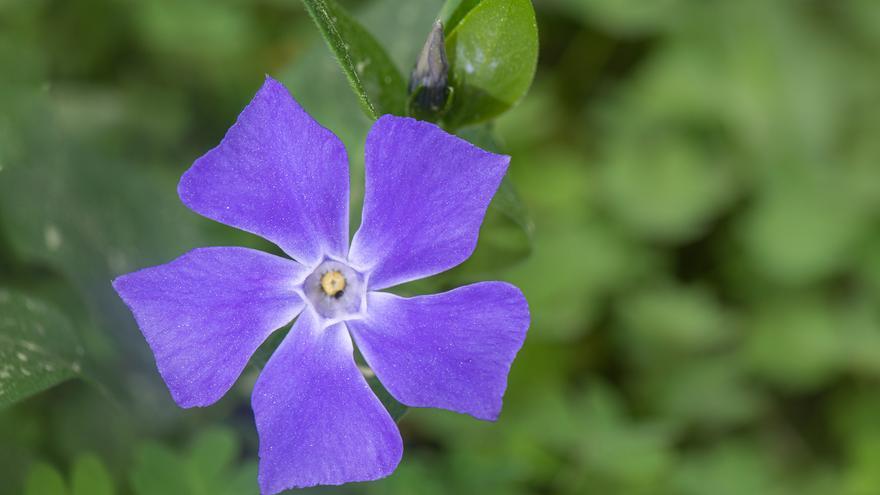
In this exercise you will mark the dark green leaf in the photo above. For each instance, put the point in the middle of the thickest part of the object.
(77, 207)
(395, 408)
(38, 348)
(370, 71)
(493, 52)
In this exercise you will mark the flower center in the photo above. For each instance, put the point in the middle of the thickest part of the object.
(333, 283)
(335, 290)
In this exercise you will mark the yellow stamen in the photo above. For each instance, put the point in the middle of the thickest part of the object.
(332, 283)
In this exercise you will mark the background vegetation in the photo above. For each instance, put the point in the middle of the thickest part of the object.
(694, 217)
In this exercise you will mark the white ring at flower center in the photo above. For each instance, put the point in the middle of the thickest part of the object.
(335, 290)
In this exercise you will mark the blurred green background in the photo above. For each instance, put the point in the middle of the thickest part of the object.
(703, 177)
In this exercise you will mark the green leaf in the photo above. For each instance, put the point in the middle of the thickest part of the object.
(508, 201)
(617, 447)
(38, 347)
(568, 276)
(796, 342)
(674, 318)
(507, 233)
(720, 381)
(627, 17)
(90, 477)
(665, 189)
(493, 53)
(241, 481)
(402, 31)
(206, 468)
(455, 10)
(394, 408)
(158, 471)
(43, 479)
(212, 452)
(730, 467)
(70, 202)
(798, 232)
(370, 71)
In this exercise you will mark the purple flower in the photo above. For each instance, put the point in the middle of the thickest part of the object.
(280, 175)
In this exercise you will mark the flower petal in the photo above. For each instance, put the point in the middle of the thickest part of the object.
(451, 350)
(278, 174)
(205, 313)
(319, 422)
(426, 194)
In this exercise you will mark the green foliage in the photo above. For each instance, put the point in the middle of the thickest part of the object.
(507, 234)
(43, 479)
(395, 408)
(664, 189)
(493, 51)
(369, 69)
(627, 17)
(691, 210)
(38, 347)
(89, 477)
(453, 12)
(205, 468)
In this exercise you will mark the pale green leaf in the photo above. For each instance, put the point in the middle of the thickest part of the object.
(43, 479)
(90, 477)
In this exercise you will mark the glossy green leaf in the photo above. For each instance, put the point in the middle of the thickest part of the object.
(38, 347)
(370, 71)
(493, 52)
(454, 11)
(90, 477)
(43, 479)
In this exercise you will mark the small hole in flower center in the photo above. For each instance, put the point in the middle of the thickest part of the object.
(333, 283)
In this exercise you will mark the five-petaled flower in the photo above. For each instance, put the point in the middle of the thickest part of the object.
(278, 174)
